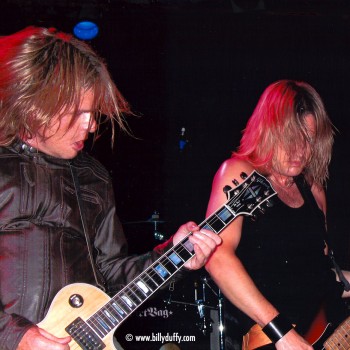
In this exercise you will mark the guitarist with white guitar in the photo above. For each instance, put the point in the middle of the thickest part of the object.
(275, 271)
(58, 224)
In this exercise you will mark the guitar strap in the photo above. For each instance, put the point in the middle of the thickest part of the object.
(97, 274)
(305, 191)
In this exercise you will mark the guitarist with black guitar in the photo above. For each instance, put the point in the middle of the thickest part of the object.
(58, 224)
(276, 272)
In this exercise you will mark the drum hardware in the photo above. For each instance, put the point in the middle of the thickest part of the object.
(220, 308)
(205, 325)
(203, 308)
(155, 221)
(172, 285)
(221, 321)
(170, 300)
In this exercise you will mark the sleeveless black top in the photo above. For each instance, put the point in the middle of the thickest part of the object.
(284, 254)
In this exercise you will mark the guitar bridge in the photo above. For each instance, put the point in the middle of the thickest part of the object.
(84, 336)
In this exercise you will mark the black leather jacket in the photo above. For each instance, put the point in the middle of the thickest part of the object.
(42, 243)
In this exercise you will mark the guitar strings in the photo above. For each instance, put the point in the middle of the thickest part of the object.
(150, 272)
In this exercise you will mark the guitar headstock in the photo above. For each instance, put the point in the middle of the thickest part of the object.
(254, 193)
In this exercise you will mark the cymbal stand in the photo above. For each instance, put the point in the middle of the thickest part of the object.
(157, 234)
(206, 325)
(220, 311)
(154, 220)
(221, 320)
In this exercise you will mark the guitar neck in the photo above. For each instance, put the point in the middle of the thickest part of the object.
(244, 199)
(148, 282)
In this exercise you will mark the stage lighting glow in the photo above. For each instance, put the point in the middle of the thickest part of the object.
(86, 30)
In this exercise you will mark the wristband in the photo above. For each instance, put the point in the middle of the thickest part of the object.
(277, 328)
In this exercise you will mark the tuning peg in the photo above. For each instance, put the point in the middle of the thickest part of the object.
(235, 182)
(269, 203)
(254, 217)
(243, 175)
(262, 210)
(226, 189)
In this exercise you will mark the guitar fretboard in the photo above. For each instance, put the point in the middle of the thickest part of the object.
(138, 291)
(245, 198)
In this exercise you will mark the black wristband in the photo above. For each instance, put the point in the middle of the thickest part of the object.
(277, 328)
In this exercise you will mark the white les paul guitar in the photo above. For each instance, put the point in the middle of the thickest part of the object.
(90, 316)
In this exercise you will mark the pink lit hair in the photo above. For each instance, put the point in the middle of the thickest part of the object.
(278, 119)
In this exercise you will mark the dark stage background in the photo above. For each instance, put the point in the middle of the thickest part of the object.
(202, 65)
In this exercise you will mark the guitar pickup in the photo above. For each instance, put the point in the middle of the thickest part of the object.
(84, 336)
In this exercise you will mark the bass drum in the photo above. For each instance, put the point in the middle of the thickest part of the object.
(170, 320)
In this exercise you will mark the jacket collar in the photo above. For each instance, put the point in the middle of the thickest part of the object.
(22, 148)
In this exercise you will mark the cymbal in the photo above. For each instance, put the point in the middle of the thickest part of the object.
(150, 221)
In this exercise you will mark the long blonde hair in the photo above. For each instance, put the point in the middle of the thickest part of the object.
(278, 119)
(43, 73)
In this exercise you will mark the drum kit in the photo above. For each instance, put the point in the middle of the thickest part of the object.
(207, 304)
(196, 294)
